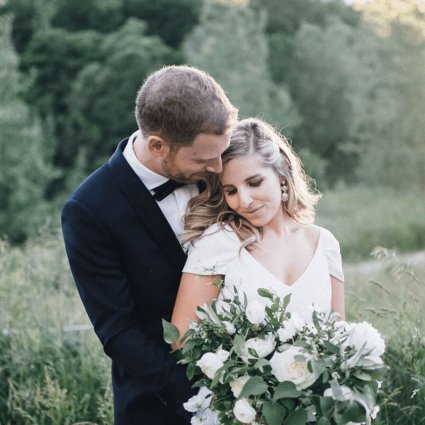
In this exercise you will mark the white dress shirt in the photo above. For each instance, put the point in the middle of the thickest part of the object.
(174, 205)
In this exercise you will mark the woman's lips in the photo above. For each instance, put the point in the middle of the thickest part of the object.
(252, 210)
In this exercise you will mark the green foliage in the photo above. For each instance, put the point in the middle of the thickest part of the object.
(392, 128)
(101, 101)
(50, 374)
(172, 20)
(98, 15)
(29, 16)
(391, 296)
(328, 85)
(24, 157)
(239, 62)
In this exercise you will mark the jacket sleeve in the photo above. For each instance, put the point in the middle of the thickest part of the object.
(105, 292)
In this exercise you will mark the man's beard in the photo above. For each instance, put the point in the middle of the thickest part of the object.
(174, 173)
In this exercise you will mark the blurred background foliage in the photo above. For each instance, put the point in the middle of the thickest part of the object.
(345, 82)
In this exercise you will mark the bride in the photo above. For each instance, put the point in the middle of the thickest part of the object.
(253, 227)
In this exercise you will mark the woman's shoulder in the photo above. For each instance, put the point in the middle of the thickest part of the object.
(325, 236)
(214, 250)
(218, 233)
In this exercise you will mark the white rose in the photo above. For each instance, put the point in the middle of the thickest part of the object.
(207, 417)
(256, 312)
(244, 412)
(200, 401)
(290, 327)
(263, 347)
(286, 367)
(365, 338)
(223, 355)
(209, 364)
(230, 328)
(237, 385)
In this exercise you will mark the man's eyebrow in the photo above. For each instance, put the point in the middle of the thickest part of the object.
(247, 179)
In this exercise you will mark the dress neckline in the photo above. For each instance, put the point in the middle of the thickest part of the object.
(308, 266)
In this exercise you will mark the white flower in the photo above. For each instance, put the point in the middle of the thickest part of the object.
(365, 338)
(237, 385)
(200, 401)
(230, 327)
(244, 412)
(207, 417)
(263, 347)
(290, 327)
(291, 365)
(255, 312)
(209, 364)
(223, 355)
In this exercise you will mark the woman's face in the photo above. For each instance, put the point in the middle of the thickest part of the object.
(252, 190)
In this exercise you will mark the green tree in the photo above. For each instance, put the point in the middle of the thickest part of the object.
(284, 19)
(329, 79)
(231, 45)
(24, 154)
(99, 15)
(101, 102)
(392, 145)
(29, 16)
(53, 59)
(172, 20)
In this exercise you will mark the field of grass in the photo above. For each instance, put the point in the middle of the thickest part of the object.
(364, 218)
(51, 373)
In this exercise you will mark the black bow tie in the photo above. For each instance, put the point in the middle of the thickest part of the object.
(165, 189)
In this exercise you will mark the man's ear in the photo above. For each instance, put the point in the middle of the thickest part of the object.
(157, 146)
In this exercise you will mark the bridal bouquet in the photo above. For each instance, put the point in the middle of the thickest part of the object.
(258, 364)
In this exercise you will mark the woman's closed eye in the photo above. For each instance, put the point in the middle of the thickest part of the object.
(255, 183)
(232, 190)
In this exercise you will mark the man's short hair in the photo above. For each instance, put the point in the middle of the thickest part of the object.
(179, 102)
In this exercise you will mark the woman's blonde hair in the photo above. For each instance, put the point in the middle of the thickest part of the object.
(253, 136)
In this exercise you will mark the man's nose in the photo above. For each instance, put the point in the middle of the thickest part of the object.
(215, 166)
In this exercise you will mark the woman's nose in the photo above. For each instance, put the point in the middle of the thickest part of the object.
(245, 198)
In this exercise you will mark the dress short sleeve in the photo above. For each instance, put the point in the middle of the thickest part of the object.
(213, 252)
(333, 254)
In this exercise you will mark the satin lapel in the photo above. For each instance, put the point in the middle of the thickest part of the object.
(148, 210)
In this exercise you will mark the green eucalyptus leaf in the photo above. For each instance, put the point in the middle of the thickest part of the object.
(286, 389)
(190, 371)
(265, 293)
(238, 344)
(323, 421)
(353, 412)
(255, 386)
(171, 333)
(274, 413)
(297, 417)
(326, 405)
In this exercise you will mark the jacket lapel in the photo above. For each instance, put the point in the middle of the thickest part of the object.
(148, 210)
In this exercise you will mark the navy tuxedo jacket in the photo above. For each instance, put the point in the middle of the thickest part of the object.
(127, 263)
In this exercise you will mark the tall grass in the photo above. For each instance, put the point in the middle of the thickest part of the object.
(393, 299)
(47, 376)
(363, 218)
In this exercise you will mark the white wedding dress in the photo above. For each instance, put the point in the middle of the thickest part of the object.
(218, 252)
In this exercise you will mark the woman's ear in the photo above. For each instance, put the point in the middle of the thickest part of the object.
(157, 146)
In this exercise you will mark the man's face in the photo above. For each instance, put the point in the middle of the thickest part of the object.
(189, 164)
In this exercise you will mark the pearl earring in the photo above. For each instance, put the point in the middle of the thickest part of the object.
(284, 189)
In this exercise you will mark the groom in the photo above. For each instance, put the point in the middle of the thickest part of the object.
(122, 229)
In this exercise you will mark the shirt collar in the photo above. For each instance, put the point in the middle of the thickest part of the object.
(149, 178)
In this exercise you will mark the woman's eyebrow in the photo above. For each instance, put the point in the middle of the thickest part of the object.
(248, 178)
